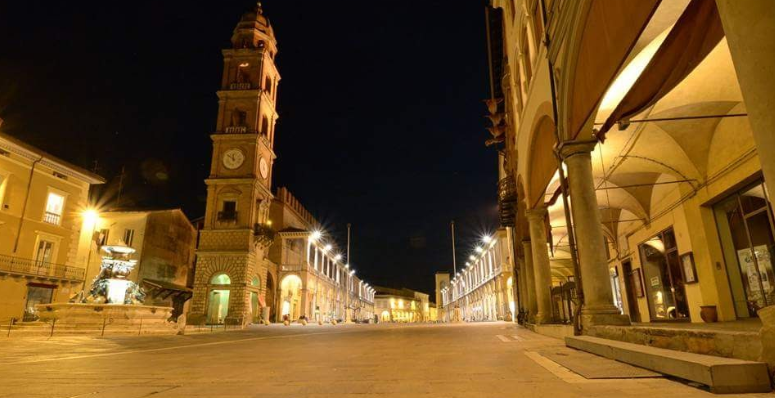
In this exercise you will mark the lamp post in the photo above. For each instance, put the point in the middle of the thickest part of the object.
(91, 216)
(349, 279)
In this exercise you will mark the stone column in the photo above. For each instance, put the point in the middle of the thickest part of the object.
(541, 268)
(750, 27)
(529, 280)
(599, 308)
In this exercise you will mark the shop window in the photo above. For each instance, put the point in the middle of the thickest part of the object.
(746, 230)
(664, 280)
(55, 204)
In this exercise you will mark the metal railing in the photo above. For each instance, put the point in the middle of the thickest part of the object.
(52, 218)
(25, 266)
(291, 267)
(227, 216)
(236, 130)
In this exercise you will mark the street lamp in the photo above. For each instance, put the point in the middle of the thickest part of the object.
(487, 239)
(479, 249)
(90, 217)
(338, 257)
(326, 248)
(315, 235)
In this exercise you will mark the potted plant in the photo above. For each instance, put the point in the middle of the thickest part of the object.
(709, 313)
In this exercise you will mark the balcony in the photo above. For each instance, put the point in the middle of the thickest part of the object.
(240, 86)
(507, 201)
(264, 234)
(291, 267)
(52, 218)
(227, 216)
(236, 130)
(44, 270)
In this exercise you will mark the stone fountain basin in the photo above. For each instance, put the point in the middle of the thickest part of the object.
(115, 315)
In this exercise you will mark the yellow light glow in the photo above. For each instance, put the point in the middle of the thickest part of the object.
(315, 235)
(629, 75)
(269, 222)
(90, 217)
(487, 239)
(244, 64)
(479, 249)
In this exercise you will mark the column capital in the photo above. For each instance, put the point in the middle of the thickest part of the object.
(536, 214)
(572, 148)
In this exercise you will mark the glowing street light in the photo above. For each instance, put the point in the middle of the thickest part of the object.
(487, 239)
(473, 258)
(479, 249)
(90, 216)
(327, 248)
(338, 257)
(315, 235)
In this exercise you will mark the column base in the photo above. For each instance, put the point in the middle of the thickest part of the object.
(596, 317)
(541, 319)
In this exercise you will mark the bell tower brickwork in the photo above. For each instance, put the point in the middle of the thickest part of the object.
(235, 237)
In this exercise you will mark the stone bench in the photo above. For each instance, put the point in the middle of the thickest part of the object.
(722, 375)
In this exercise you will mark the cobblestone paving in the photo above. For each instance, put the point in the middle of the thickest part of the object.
(472, 360)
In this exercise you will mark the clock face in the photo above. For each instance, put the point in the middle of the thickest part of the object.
(263, 167)
(233, 158)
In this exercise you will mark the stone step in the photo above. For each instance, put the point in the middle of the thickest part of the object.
(722, 375)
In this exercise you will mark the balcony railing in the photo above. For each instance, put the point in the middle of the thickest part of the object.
(236, 130)
(52, 218)
(264, 234)
(25, 266)
(507, 201)
(240, 86)
(291, 267)
(227, 216)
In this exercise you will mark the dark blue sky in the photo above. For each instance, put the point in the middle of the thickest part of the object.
(381, 114)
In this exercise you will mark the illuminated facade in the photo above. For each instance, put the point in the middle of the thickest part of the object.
(164, 242)
(315, 281)
(483, 289)
(662, 176)
(231, 263)
(401, 305)
(44, 232)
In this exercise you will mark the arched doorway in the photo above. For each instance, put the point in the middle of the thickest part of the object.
(290, 297)
(385, 316)
(270, 296)
(218, 298)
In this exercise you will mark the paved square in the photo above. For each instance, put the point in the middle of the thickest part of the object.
(468, 360)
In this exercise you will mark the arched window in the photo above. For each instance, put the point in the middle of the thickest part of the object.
(220, 279)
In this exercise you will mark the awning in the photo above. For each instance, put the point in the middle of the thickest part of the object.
(609, 33)
(696, 33)
(164, 290)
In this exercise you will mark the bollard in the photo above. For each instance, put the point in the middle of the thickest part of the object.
(140, 332)
(105, 324)
(13, 320)
(53, 322)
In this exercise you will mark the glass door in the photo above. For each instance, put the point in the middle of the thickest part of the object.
(746, 231)
(36, 295)
(664, 281)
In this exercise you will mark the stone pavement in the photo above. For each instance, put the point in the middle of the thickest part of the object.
(467, 360)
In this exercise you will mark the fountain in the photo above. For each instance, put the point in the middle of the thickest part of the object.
(114, 302)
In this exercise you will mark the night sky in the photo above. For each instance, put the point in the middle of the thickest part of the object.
(381, 114)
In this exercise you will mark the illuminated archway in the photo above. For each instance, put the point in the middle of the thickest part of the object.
(290, 296)
(218, 298)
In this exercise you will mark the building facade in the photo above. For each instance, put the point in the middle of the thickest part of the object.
(232, 259)
(165, 243)
(401, 305)
(43, 200)
(483, 290)
(316, 281)
(624, 167)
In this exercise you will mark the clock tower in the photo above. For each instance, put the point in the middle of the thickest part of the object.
(231, 264)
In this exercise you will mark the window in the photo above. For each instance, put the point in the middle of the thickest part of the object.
(103, 237)
(229, 211)
(129, 236)
(54, 206)
(664, 281)
(60, 175)
(45, 252)
(538, 24)
(220, 279)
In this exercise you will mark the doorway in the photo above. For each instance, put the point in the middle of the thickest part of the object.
(631, 283)
(664, 282)
(745, 227)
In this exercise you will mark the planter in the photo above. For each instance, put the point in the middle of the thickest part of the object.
(708, 313)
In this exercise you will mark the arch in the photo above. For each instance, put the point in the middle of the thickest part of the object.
(542, 163)
(220, 278)
(290, 296)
